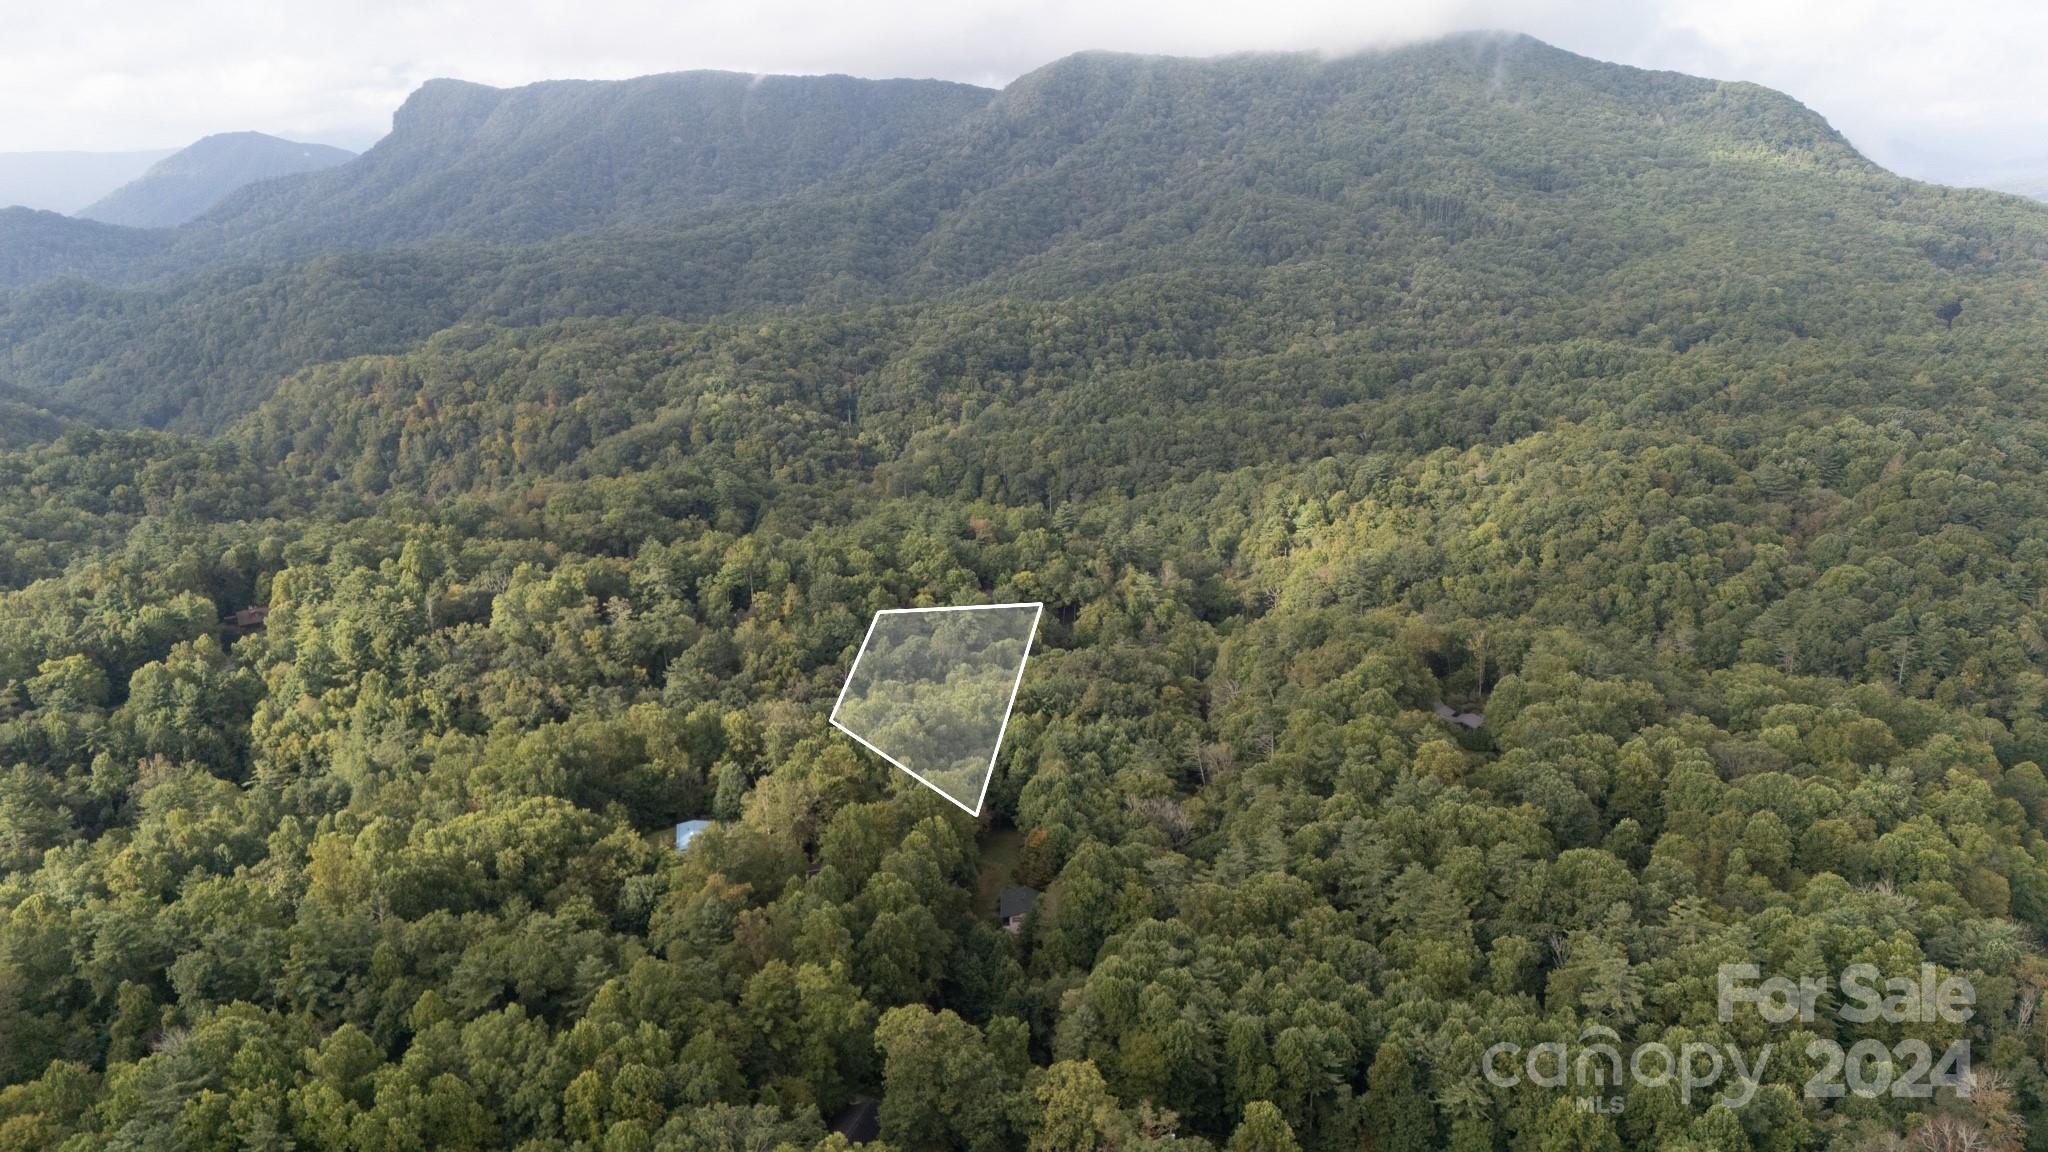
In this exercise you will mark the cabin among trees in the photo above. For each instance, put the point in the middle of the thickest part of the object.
(1014, 906)
(1470, 720)
(245, 621)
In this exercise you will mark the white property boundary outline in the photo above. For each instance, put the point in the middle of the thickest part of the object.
(1038, 612)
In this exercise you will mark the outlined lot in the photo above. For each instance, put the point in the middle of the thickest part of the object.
(931, 689)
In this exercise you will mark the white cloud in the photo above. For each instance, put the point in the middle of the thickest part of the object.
(1947, 87)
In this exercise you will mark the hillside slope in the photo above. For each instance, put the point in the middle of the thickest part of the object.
(194, 179)
(510, 166)
(42, 246)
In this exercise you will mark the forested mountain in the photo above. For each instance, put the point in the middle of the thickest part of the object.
(467, 162)
(37, 246)
(188, 182)
(1636, 413)
(1610, 192)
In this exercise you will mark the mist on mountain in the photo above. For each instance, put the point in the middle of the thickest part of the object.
(67, 181)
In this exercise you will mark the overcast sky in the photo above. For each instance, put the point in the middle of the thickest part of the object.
(1953, 90)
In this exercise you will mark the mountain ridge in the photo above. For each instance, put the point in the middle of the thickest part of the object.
(1529, 164)
(462, 157)
(37, 246)
(187, 183)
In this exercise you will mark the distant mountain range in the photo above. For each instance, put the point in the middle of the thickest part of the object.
(187, 183)
(701, 193)
(68, 181)
(2035, 186)
(471, 163)
(464, 162)
(1973, 160)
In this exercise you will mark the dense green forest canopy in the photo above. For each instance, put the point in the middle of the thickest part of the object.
(1635, 412)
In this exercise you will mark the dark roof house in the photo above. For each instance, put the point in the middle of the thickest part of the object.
(1014, 905)
(1462, 719)
(245, 621)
